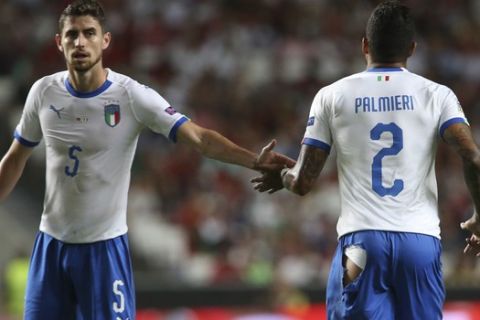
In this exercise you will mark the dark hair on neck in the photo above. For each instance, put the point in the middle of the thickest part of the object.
(83, 8)
(390, 32)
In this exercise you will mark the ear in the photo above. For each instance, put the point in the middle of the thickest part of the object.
(411, 51)
(58, 41)
(365, 50)
(107, 37)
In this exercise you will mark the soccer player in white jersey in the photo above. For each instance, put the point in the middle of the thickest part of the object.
(90, 118)
(385, 124)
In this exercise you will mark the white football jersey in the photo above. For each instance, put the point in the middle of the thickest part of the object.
(90, 143)
(384, 124)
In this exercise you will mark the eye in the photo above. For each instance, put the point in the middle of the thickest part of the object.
(90, 33)
(71, 34)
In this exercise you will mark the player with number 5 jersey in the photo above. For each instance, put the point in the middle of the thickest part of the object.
(385, 124)
(90, 141)
(90, 118)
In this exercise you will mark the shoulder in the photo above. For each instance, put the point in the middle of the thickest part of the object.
(429, 86)
(132, 86)
(121, 80)
(45, 83)
(339, 87)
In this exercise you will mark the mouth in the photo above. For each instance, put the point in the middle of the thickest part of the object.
(80, 55)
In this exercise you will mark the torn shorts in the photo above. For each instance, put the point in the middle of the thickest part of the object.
(402, 277)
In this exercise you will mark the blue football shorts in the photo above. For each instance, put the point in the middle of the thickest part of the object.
(80, 281)
(402, 278)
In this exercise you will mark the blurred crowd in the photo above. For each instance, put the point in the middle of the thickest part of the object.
(249, 69)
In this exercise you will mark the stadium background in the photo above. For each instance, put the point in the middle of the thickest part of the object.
(248, 68)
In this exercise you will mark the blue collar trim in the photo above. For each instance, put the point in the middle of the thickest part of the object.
(90, 94)
(385, 69)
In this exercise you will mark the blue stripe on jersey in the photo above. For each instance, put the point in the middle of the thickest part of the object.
(448, 123)
(23, 141)
(173, 132)
(316, 143)
(90, 94)
(385, 69)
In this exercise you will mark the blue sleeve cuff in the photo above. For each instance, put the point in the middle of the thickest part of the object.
(23, 141)
(173, 132)
(317, 143)
(448, 123)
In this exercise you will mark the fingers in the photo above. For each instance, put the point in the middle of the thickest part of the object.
(270, 146)
(273, 190)
(472, 246)
(257, 179)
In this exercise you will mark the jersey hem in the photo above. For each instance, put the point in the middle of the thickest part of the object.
(173, 132)
(24, 141)
(448, 123)
(86, 240)
(317, 143)
(435, 235)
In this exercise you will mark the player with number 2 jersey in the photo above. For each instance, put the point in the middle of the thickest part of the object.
(385, 124)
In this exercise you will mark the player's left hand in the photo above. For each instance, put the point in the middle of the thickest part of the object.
(269, 181)
(269, 160)
(472, 246)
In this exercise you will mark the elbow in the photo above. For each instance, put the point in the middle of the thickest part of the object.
(300, 188)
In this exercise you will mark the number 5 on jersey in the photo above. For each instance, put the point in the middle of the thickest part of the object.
(72, 170)
(394, 149)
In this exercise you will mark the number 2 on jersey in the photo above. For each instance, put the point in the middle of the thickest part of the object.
(73, 170)
(394, 149)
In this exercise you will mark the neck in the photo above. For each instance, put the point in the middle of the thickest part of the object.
(386, 65)
(87, 81)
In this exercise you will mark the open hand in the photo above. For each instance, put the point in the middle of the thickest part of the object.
(269, 160)
(270, 181)
(472, 246)
(472, 225)
(473, 243)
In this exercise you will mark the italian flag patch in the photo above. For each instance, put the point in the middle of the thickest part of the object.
(112, 114)
(383, 78)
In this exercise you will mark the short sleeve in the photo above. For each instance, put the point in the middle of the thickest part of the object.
(318, 133)
(28, 131)
(451, 113)
(153, 111)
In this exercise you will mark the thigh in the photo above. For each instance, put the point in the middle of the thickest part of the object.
(103, 280)
(419, 288)
(49, 294)
(369, 295)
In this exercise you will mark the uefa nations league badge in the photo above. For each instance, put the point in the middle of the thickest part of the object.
(112, 114)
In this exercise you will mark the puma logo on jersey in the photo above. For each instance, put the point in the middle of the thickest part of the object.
(311, 121)
(57, 111)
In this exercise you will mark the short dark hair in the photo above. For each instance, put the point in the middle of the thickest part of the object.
(83, 8)
(390, 32)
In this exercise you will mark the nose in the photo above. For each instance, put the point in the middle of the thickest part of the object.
(80, 40)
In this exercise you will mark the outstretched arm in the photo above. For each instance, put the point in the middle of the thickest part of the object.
(459, 136)
(213, 145)
(11, 167)
(300, 179)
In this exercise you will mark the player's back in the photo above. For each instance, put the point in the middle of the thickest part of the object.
(384, 124)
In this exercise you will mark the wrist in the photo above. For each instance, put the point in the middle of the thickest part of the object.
(255, 163)
(284, 172)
